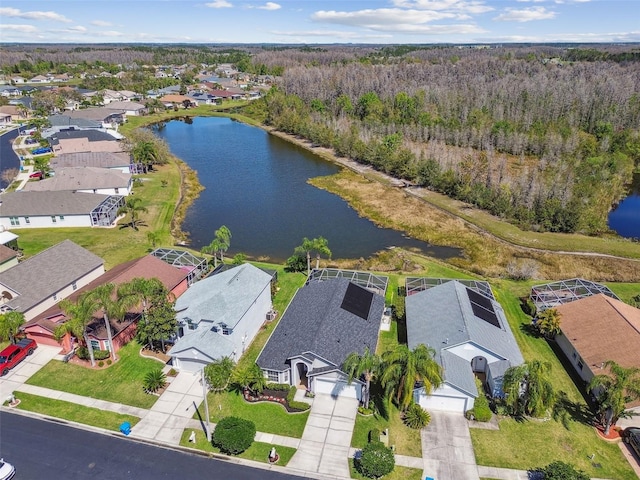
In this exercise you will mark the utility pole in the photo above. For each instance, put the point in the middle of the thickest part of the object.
(206, 405)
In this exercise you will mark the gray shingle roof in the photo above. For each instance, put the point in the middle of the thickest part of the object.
(48, 272)
(90, 159)
(81, 178)
(442, 318)
(315, 322)
(223, 298)
(22, 203)
(90, 135)
(66, 120)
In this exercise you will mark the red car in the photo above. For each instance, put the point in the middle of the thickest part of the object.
(37, 174)
(14, 354)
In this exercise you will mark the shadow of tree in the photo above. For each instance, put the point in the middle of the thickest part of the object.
(530, 330)
(566, 411)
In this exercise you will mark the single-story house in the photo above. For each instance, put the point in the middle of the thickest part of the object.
(5, 119)
(103, 181)
(324, 323)
(129, 108)
(177, 100)
(471, 337)
(75, 141)
(108, 116)
(219, 316)
(119, 161)
(59, 122)
(9, 91)
(597, 329)
(16, 113)
(42, 327)
(22, 209)
(41, 281)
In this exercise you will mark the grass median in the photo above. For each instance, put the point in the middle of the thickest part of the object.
(73, 412)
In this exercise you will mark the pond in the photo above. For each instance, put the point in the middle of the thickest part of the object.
(256, 185)
(624, 219)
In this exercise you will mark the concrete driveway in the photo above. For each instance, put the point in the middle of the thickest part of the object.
(30, 365)
(447, 451)
(324, 447)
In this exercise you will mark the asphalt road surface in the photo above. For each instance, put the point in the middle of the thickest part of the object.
(47, 450)
(8, 157)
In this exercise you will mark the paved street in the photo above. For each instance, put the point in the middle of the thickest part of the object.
(47, 450)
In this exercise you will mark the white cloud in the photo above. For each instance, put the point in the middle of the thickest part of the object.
(525, 15)
(219, 4)
(34, 15)
(19, 28)
(101, 23)
(329, 34)
(567, 37)
(388, 17)
(108, 33)
(270, 6)
(460, 6)
(78, 28)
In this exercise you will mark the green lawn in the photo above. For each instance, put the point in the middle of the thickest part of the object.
(398, 473)
(73, 412)
(121, 382)
(529, 444)
(269, 417)
(406, 440)
(258, 451)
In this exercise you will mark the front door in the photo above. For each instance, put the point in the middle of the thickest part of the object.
(303, 381)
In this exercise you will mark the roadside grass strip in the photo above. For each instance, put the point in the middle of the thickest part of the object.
(398, 473)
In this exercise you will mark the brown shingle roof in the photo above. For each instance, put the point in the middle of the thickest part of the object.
(7, 253)
(601, 329)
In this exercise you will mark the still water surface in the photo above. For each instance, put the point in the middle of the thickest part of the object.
(256, 184)
(625, 218)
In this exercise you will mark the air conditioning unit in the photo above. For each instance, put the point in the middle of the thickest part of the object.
(271, 315)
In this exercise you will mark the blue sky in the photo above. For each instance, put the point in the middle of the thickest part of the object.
(311, 21)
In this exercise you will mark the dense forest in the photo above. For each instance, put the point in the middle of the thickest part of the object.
(545, 136)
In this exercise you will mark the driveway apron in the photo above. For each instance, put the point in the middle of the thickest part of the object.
(447, 451)
(18, 375)
(324, 447)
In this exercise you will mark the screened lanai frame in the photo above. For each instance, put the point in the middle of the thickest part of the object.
(197, 266)
(106, 213)
(550, 295)
(418, 284)
(374, 283)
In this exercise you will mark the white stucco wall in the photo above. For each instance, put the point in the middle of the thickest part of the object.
(574, 358)
(249, 325)
(45, 221)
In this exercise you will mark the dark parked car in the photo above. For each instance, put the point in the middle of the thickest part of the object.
(631, 436)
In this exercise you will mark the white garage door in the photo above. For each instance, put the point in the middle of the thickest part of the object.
(337, 388)
(448, 404)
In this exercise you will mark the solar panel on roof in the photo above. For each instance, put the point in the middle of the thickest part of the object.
(483, 308)
(357, 300)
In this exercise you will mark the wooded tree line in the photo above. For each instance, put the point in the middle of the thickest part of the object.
(550, 147)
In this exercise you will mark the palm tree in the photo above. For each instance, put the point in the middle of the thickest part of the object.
(249, 377)
(10, 323)
(113, 306)
(528, 389)
(548, 322)
(144, 152)
(614, 390)
(80, 315)
(132, 207)
(319, 245)
(219, 373)
(153, 238)
(366, 366)
(220, 244)
(402, 368)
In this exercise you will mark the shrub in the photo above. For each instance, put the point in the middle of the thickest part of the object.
(560, 471)
(109, 362)
(365, 411)
(374, 435)
(301, 406)
(280, 387)
(154, 380)
(291, 395)
(376, 460)
(101, 364)
(172, 372)
(233, 435)
(416, 417)
(481, 410)
(101, 354)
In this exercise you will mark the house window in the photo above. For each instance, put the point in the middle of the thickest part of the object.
(61, 217)
(273, 376)
(580, 365)
(95, 344)
(117, 190)
(55, 297)
(575, 355)
(192, 326)
(286, 376)
(53, 219)
(26, 220)
(226, 331)
(74, 285)
(14, 220)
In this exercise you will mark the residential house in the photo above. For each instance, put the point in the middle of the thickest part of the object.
(42, 327)
(17, 79)
(170, 90)
(109, 117)
(596, 329)
(8, 258)
(220, 315)
(60, 122)
(173, 100)
(198, 98)
(76, 141)
(129, 108)
(324, 323)
(61, 77)
(5, 119)
(58, 209)
(471, 337)
(40, 79)
(9, 91)
(129, 96)
(103, 181)
(114, 161)
(109, 96)
(38, 283)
